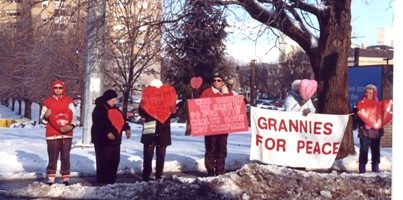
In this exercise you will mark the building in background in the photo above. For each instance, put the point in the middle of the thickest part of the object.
(22, 16)
(385, 36)
(14, 15)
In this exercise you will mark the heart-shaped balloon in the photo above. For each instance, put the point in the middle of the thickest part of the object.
(158, 101)
(116, 119)
(196, 82)
(307, 88)
(60, 118)
(375, 114)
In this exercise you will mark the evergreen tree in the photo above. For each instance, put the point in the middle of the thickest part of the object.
(195, 47)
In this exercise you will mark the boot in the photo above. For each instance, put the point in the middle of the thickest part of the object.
(375, 167)
(66, 180)
(210, 172)
(51, 179)
(361, 168)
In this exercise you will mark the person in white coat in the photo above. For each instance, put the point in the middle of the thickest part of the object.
(294, 102)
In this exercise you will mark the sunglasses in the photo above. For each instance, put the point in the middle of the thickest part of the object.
(217, 80)
(60, 88)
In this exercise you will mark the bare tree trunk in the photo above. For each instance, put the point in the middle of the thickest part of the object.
(13, 104)
(19, 107)
(331, 69)
(27, 112)
(125, 103)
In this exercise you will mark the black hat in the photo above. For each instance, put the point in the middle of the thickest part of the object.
(109, 94)
(219, 75)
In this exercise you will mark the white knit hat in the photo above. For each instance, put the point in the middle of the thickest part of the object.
(371, 86)
(295, 85)
(156, 83)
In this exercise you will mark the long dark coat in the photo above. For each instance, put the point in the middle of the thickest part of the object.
(162, 134)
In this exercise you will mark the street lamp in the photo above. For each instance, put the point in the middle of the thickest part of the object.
(252, 83)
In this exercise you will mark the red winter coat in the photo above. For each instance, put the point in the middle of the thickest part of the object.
(57, 104)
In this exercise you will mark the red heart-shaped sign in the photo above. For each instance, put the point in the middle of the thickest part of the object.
(60, 118)
(158, 101)
(196, 82)
(307, 88)
(116, 119)
(375, 114)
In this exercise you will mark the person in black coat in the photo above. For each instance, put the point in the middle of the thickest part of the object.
(159, 139)
(108, 125)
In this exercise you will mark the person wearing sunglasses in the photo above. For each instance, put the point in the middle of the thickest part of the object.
(216, 145)
(58, 113)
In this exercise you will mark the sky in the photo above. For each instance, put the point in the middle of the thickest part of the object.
(367, 17)
(23, 156)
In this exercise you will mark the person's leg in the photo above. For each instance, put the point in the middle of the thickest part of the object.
(65, 159)
(363, 155)
(53, 156)
(209, 156)
(114, 163)
(221, 153)
(101, 163)
(109, 165)
(98, 162)
(376, 154)
(148, 153)
(160, 154)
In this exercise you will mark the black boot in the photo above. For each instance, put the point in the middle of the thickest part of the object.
(361, 168)
(375, 167)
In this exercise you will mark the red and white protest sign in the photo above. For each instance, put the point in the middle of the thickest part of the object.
(291, 139)
(217, 115)
(158, 100)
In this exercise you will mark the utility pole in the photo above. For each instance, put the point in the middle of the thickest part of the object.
(95, 62)
(252, 84)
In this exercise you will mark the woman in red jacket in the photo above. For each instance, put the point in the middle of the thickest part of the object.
(58, 113)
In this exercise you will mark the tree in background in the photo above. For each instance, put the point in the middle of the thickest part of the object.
(295, 66)
(45, 48)
(323, 30)
(195, 47)
(6, 47)
(16, 39)
(132, 44)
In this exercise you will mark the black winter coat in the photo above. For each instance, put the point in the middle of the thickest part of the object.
(162, 134)
(101, 125)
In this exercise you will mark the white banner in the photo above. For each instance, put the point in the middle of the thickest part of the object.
(290, 139)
